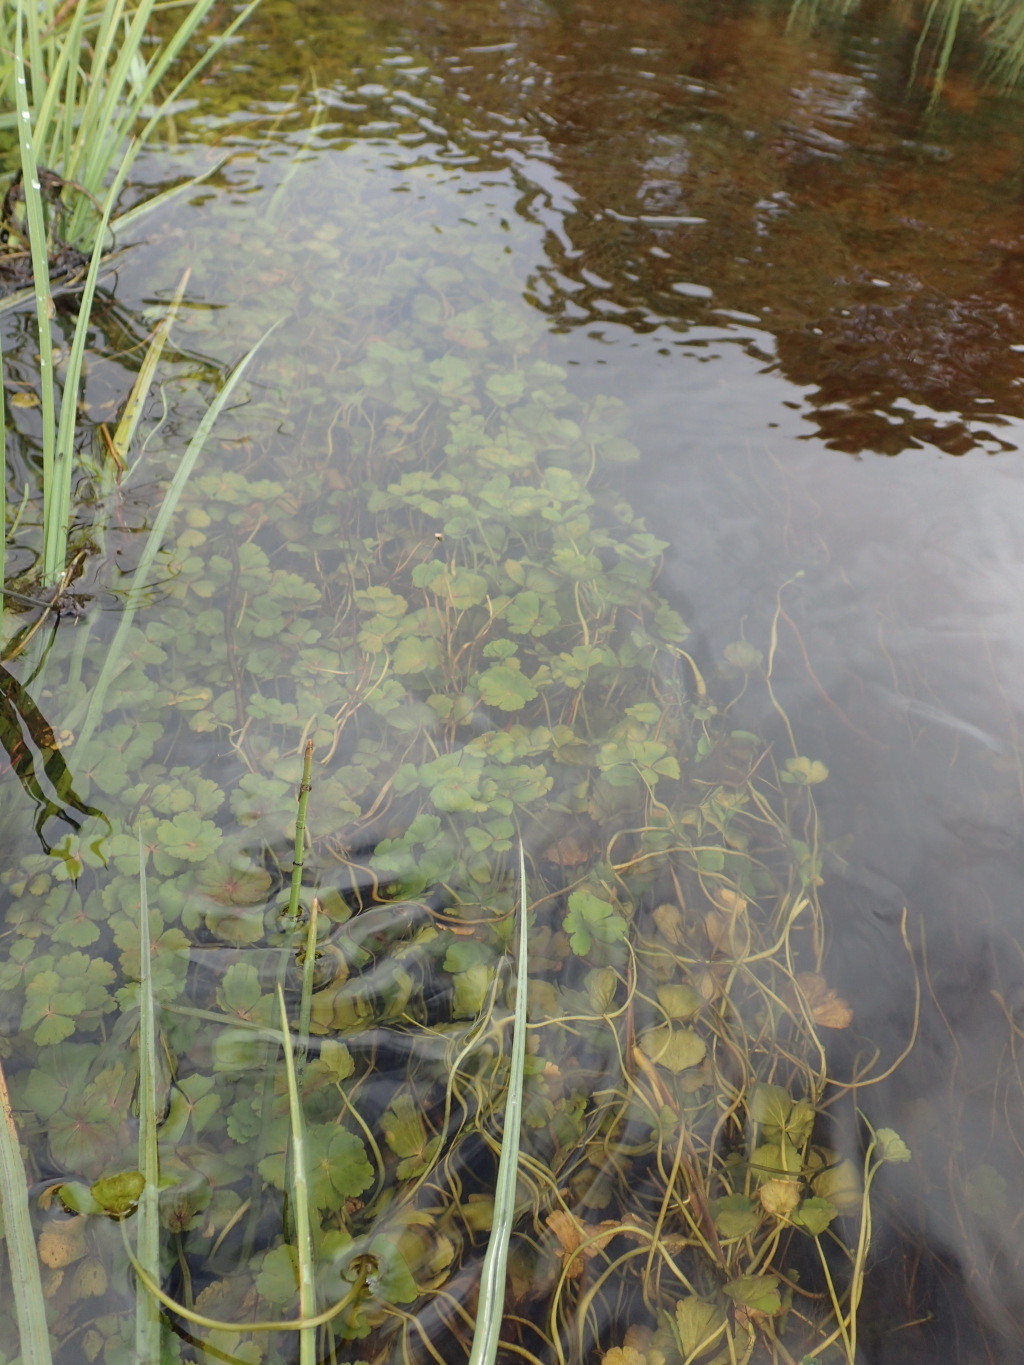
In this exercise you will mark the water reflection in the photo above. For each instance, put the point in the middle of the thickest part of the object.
(681, 167)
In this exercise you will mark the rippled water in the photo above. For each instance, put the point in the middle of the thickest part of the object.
(806, 285)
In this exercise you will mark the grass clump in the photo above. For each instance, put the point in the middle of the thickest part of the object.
(80, 89)
(944, 29)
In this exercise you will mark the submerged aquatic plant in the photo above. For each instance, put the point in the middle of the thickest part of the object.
(462, 618)
(512, 666)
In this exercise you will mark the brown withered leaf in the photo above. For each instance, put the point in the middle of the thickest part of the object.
(572, 1234)
(90, 1279)
(828, 1008)
(62, 1243)
(669, 919)
(576, 846)
(780, 1197)
(719, 923)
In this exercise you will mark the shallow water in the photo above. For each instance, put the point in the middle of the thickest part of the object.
(804, 286)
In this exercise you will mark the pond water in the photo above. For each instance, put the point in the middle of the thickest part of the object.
(586, 324)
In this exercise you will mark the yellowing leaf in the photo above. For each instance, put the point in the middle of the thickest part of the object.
(780, 1197)
(669, 921)
(891, 1147)
(679, 1001)
(570, 1234)
(805, 772)
(700, 1325)
(730, 902)
(673, 1048)
(840, 1184)
(89, 1280)
(623, 1355)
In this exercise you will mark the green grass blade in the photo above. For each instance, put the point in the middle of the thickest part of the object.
(55, 532)
(95, 89)
(49, 119)
(35, 53)
(41, 277)
(111, 120)
(300, 1197)
(177, 42)
(126, 428)
(136, 594)
(147, 1309)
(308, 982)
(106, 124)
(491, 1303)
(3, 488)
(29, 1305)
(300, 832)
(131, 216)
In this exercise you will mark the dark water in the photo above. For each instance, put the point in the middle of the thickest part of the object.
(804, 279)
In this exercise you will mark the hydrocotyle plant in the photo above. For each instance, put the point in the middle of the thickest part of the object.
(446, 593)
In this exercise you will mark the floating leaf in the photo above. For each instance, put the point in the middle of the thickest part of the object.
(188, 837)
(393, 1280)
(278, 1278)
(415, 654)
(118, 1195)
(338, 1166)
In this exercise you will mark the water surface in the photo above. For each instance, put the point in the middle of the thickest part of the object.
(801, 280)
